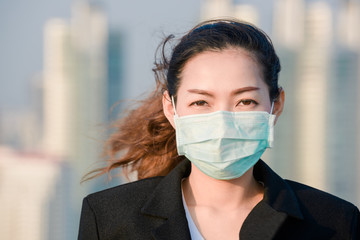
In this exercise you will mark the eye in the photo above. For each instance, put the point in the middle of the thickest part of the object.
(199, 103)
(247, 102)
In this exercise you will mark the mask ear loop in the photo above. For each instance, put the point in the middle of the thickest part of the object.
(271, 129)
(173, 103)
(272, 107)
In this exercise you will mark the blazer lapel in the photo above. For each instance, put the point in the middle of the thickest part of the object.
(278, 203)
(166, 202)
(277, 193)
(175, 227)
(262, 223)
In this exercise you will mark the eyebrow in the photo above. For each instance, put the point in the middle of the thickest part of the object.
(244, 89)
(234, 92)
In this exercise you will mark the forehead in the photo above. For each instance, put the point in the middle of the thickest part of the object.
(229, 68)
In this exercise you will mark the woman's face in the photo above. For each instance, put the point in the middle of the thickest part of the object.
(227, 80)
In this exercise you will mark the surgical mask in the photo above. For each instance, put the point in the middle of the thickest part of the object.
(224, 145)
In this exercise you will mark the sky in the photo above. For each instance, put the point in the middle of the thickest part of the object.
(144, 23)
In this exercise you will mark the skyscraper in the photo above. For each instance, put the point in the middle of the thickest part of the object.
(312, 94)
(27, 182)
(227, 8)
(58, 90)
(75, 79)
(326, 83)
(82, 74)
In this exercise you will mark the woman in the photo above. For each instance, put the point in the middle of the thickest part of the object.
(219, 93)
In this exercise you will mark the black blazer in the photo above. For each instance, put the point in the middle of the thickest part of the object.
(153, 209)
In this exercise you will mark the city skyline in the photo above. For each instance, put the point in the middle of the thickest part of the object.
(323, 37)
(23, 21)
(90, 63)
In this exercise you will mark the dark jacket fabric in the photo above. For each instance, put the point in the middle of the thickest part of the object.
(153, 209)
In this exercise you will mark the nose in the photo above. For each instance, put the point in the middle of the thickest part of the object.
(224, 106)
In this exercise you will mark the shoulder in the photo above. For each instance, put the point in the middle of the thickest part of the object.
(129, 198)
(316, 198)
(128, 194)
(116, 213)
(307, 198)
(326, 209)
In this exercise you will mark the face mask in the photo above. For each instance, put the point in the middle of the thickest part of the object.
(224, 145)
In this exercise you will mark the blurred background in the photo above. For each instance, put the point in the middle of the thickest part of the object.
(63, 64)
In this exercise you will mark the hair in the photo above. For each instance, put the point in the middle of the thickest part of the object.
(144, 140)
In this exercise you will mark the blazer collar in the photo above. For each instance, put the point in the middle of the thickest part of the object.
(166, 202)
(278, 194)
(262, 223)
(278, 203)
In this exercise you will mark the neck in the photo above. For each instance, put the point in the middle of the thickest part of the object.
(202, 190)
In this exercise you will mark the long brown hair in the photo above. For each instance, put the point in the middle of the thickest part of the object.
(144, 141)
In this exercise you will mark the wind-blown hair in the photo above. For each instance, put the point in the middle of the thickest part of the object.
(144, 140)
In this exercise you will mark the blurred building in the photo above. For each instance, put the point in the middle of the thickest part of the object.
(82, 80)
(115, 73)
(343, 135)
(324, 90)
(23, 129)
(317, 137)
(312, 94)
(20, 129)
(59, 96)
(62, 218)
(228, 8)
(27, 182)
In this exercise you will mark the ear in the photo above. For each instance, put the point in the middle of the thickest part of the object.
(168, 108)
(279, 104)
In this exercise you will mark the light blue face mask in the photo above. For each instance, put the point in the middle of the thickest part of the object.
(224, 145)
